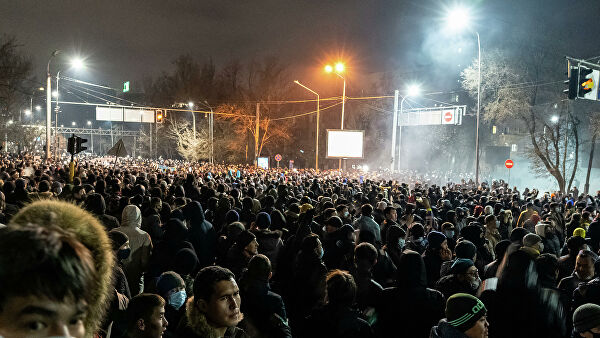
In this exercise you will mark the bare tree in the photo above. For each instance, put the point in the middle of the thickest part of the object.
(512, 90)
(188, 147)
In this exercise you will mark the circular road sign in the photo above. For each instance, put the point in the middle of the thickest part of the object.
(509, 163)
(448, 116)
(277, 157)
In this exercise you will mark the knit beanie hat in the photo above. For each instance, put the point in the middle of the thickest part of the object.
(168, 281)
(517, 234)
(465, 249)
(117, 239)
(232, 216)
(531, 240)
(586, 317)
(579, 232)
(263, 220)
(460, 266)
(244, 238)
(435, 239)
(464, 310)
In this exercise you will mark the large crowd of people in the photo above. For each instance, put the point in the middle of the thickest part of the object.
(143, 248)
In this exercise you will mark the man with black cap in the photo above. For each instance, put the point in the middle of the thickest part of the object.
(586, 321)
(464, 249)
(463, 278)
(238, 256)
(436, 252)
(338, 244)
(465, 318)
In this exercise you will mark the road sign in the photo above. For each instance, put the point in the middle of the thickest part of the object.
(509, 163)
(448, 117)
(277, 157)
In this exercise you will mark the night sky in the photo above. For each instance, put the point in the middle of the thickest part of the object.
(130, 40)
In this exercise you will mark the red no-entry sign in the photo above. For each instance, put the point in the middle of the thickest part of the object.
(509, 163)
(448, 116)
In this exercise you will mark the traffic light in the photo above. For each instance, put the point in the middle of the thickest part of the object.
(159, 116)
(71, 145)
(573, 74)
(79, 144)
(587, 83)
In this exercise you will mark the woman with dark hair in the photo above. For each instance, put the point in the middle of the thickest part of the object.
(519, 307)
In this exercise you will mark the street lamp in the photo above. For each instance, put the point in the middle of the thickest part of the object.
(89, 123)
(318, 113)
(38, 108)
(339, 68)
(211, 126)
(456, 20)
(554, 119)
(191, 106)
(78, 64)
(73, 124)
(411, 91)
(49, 103)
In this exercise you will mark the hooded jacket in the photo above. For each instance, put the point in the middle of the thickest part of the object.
(445, 330)
(194, 325)
(201, 234)
(410, 305)
(141, 246)
(91, 234)
(95, 204)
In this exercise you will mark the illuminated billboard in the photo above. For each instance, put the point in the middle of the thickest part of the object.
(263, 162)
(345, 143)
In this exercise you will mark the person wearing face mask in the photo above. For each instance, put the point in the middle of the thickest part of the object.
(122, 251)
(171, 287)
(449, 230)
(532, 245)
(395, 243)
(463, 278)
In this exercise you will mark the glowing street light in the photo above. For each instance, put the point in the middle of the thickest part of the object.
(554, 119)
(77, 63)
(73, 123)
(38, 108)
(458, 19)
(55, 93)
(339, 68)
(27, 112)
(89, 123)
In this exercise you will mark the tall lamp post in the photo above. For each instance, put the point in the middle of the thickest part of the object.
(337, 69)
(412, 91)
(49, 104)
(458, 19)
(318, 113)
(191, 106)
(211, 126)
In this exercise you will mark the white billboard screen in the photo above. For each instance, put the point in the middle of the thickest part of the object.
(345, 143)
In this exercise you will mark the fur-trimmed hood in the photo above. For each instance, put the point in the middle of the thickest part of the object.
(90, 232)
(196, 322)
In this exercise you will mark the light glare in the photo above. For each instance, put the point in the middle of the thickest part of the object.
(77, 63)
(328, 69)
(457, 19)
(339, 67)
(413, 90)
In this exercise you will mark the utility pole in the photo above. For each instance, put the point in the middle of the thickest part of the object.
(394, 126)
(256, 134)
(150, 152)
